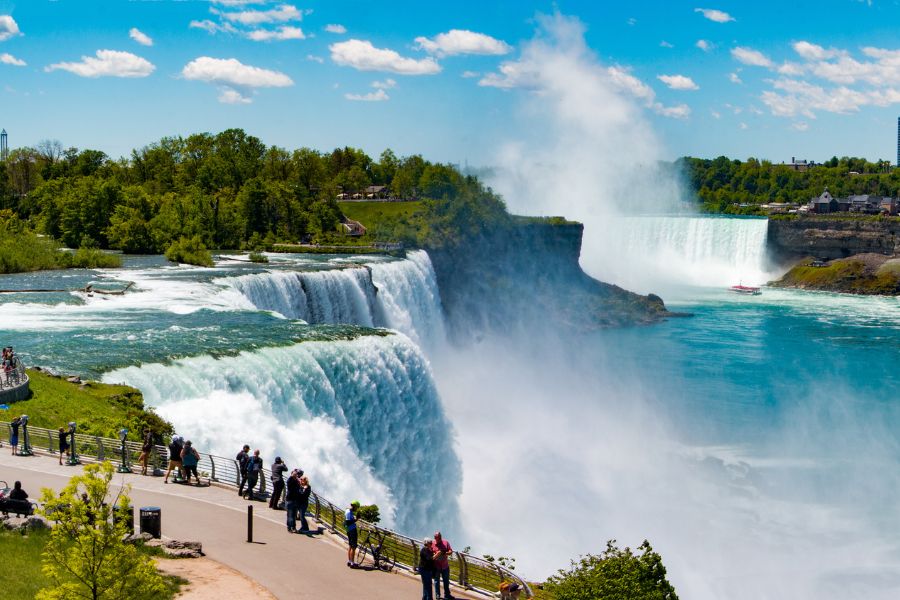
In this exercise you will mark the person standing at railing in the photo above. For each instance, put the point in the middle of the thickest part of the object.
(175, 449)
(352, 532)
(254, 468)
(292, 500)
(278, 471)
(305, 491)
(189, 459)
(63, 434)
(426, 567)
(442, 553)
(14, 434)
(146, 449)
(243, 459)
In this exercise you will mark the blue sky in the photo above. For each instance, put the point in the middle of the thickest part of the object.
(765, 79)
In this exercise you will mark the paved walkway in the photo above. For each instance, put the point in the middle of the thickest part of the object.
(288, 565)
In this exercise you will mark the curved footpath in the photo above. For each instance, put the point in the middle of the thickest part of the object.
(288, 565)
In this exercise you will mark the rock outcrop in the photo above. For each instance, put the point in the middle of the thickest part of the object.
(829, 238)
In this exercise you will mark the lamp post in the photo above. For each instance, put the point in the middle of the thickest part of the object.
(73, 453)
(26, 440)
(123, 466)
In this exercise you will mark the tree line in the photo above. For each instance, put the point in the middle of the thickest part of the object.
(224, 190)
(721, 183)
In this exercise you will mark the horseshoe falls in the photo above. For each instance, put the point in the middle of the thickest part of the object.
(650, 253)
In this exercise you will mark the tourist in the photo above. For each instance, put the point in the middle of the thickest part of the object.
(278, 471)
(189, 459)
(426, 567)
(305, 491)
(146, 449)
(442, 552)
(175, 449)
(292, 500)
(17, 492)
(350, 526)
(14, 434)
(510, 591)
(243, 459)
(254, 468)
(63, 443)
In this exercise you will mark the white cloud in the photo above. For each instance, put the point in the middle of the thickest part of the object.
(632, 22)
(377, 96)
(140, 37)
(800, 125)
(314, 58)
(212, 27)
(285, 32)
(385, 85)
(705, 45)
(229, 95)
(735, 78)
(279, 14)
(814, 52)
(665, 44)
(743, 126)
(8, 28)
(9, 59)
(231, 72)
(678, 82)
(470, 74)
(462, 41)
(107, 63)
(749, 56)
(335, 28)
(715, 115)
(715, 15)
(363, 56)
(680, 111)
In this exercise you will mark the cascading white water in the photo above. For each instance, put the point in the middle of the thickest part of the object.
(408, 298)
(362, 417)
(399, 294)
(649, 253)
(329, 296)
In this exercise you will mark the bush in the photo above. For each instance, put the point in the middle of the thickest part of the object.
(613, 575)
(258, 257)
(369, 513)
(93, 258)
(191, 251)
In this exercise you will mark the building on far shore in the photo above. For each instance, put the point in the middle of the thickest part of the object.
(800, 166)
(862, 204)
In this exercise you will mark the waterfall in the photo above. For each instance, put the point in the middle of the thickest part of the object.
(646, 253)
(399, 294)
(362, 418)
(329, 296)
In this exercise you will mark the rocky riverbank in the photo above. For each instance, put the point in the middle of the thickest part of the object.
(867, 273)
(828, 237)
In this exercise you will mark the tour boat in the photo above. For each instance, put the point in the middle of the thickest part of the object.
(745, 289)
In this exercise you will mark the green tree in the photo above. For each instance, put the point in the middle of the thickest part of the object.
(86, 556)
(616, 574)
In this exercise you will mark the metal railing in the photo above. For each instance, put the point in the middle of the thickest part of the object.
(470, 572)
(15, 377)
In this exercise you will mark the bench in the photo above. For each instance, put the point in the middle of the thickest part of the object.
(18, 507)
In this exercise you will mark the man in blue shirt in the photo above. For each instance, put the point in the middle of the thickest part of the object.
(350, 524)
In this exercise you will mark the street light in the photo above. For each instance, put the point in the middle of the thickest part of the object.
(73, 453)
(123, 466)
(26, 440)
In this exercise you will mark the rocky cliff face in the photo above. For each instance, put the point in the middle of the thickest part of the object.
(528, 275)
(832, 238)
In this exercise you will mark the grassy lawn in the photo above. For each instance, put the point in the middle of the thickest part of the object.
(99, 409)
(371, 214)
(21, 575)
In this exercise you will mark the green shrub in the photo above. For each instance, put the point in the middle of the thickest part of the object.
(190, 251)
(258, 257)
(93, 258)
(613, 575)
(369, 513)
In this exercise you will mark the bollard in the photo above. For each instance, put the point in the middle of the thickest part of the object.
(151, 521)
(250, 524)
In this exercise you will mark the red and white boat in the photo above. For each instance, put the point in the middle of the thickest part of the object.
(745, 289)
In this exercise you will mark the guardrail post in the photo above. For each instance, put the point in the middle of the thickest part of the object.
(100, 449)
(333, 514)
(50, 441)
(237, 474)
(212, 471)
(318, 508)
(463, 570)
